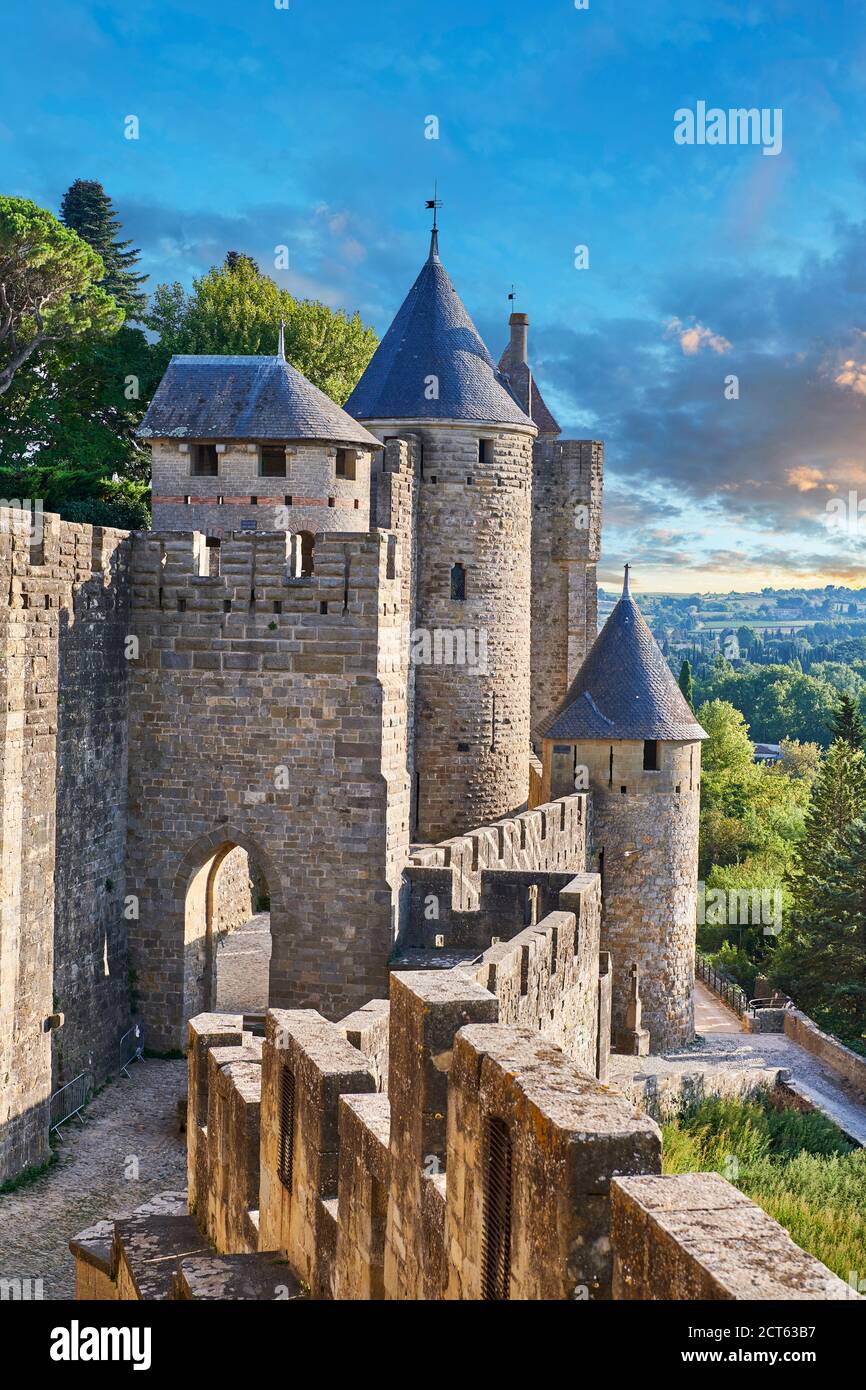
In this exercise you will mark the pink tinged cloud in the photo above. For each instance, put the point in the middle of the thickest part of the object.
(693, 337)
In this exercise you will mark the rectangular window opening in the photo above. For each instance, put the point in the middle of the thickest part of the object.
(345, 463)
(651, 755)
(272, 461)
(204, 461)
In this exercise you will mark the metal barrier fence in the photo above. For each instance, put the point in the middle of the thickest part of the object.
(131, 1047)
(70, 1100)
(726, 989)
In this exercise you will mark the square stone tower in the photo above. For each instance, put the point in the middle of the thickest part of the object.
(249, 444)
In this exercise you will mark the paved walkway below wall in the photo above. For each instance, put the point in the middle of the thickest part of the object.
(242, 966)
(711, 1015)
(721, 1047)
(127, 1151)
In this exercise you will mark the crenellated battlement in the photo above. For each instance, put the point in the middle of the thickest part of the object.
(549, 837)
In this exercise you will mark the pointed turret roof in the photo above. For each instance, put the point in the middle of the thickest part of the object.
(216, 397)
(433, 336)
(625, 688)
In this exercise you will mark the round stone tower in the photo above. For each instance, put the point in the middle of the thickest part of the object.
(433, 377)
(625, 733)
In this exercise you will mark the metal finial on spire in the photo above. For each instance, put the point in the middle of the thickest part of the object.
(281, 342)
(435, 205)
(625, 589)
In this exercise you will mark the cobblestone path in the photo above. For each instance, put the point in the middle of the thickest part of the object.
(242, 966)
(127, 1151)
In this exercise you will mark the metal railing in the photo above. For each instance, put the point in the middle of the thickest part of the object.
(70, 1100)
(131, 1047)
(728, 990)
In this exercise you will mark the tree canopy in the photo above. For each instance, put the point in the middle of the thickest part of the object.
(87, 209)
(50, 291)
(235, 308)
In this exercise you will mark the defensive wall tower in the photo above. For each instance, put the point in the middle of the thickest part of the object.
(625, 733)
(433, 377)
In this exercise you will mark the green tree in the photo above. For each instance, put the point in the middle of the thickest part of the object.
(728, 768)
(238, 310)
(68, 427)
(50, 290)
(838, 798)
(801, 760)
(847, 722)
(79, 417)
(87, 209)
(687, 684)
(234, 258)
(821, 961)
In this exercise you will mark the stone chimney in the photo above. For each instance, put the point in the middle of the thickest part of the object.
(519, 328)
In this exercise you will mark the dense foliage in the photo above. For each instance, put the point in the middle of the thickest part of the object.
(792, 833)
(799, 1167)
(50, 292)
(76, 379)
(234, 308)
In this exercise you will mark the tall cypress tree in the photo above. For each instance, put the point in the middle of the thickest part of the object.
(87, 210)
(687, 684)
(848, 723)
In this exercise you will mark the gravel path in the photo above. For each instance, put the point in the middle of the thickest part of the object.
(127, 1151)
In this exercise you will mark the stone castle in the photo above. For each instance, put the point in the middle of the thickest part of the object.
(349, 661)
(355, 666)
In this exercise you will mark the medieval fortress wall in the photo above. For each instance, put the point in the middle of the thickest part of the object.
(165, 713)
(483, 1161)
(263, 708)
(64, 618)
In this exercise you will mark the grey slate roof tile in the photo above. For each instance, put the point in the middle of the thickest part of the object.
(433, 335)
(216, 397)
(624, 689)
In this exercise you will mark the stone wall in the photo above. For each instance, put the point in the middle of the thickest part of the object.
(309, 498)
(268, 712)
(552, 837)
(368, 1195)
(694, 1236)
(233, 903)
(567, 478)
(63, 690)
(849, 1065)
(546, 978)
(494, 1168)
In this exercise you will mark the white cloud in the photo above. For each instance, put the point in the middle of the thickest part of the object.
(693, 337)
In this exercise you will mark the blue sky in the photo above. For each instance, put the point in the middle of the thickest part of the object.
(305, 126)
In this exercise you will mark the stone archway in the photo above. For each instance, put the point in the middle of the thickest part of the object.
(196, 895)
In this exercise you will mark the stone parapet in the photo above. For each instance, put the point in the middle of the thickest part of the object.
(694, 1236)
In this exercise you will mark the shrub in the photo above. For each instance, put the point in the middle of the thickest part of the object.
(796, 1165)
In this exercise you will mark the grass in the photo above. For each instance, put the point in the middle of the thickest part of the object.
(28, 1176)
(796, 1165)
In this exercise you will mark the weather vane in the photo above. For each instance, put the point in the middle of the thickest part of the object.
(434, 204)
(513, 295)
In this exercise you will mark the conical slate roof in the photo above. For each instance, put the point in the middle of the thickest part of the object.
(433, 336)
(246, 398)
(625, 688)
